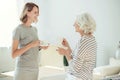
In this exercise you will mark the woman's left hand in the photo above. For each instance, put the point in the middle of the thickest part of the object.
(61, 51)
(65, 52)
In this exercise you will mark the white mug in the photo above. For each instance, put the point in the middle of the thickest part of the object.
(43, 43)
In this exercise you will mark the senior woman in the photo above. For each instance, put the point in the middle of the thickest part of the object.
(83, 58)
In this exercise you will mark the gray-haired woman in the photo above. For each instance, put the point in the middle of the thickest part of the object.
(83, 58)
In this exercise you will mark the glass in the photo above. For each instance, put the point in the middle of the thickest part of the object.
(59, 43)
(43, 43)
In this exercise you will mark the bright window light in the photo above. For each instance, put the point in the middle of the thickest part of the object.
(8, 21)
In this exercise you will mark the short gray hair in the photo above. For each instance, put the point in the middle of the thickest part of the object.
(86, 22)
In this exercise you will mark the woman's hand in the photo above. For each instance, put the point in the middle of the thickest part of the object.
(16, 52)
(65, 43)
(65, 52)
(44, 47)
(61, 51)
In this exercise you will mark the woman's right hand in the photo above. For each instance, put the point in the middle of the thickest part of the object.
(65, 42)
(35, 43)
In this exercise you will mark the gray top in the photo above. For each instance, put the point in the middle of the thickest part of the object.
(26, 35)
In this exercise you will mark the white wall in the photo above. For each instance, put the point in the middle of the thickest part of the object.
(8, 21)
(107, 34)
(57, 18)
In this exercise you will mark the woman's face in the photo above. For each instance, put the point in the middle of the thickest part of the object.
(77, 28)
(33, 15)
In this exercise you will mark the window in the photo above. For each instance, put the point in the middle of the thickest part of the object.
(8, 20)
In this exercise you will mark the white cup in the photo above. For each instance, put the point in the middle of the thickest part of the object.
(43, 43)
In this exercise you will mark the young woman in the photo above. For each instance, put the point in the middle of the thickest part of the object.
(26, 44)
(82, 59)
